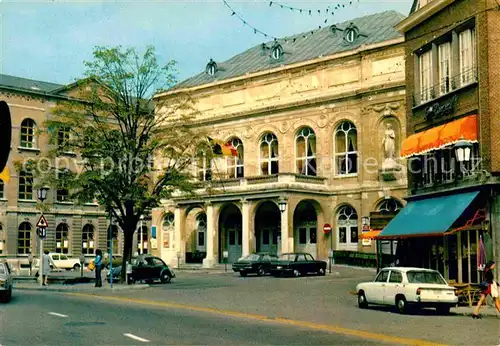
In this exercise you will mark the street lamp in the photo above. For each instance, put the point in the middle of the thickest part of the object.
(42, 196)
(462, 150)
(282, 205)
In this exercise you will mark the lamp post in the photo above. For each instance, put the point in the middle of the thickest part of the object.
(282, 205)
(463, 150)
(284, 223)
(42, 196)
(141, 218)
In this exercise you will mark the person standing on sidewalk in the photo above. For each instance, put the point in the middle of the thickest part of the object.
(46, 267)
(491, 289)
(98, 268)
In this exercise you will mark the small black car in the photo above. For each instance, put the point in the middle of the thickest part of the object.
(258, 263)
(146, 268)
(297, 264)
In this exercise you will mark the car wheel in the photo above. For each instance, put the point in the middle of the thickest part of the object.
(242, 273)
(260, 271)
(401, 305)
(321, 272)
(362, 300)
(296, 273)
(165, 278)
(76, 267)
(443, 310)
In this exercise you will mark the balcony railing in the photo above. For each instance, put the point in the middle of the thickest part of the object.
(446, 86)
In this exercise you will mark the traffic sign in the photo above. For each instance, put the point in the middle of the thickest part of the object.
(42, 222)
(42, 232)
(327, 228)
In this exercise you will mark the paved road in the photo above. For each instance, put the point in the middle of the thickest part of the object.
(44, 318)
(318, 301)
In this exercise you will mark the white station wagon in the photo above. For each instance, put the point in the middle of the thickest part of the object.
(408, 287)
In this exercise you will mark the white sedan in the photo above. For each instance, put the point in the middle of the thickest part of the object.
(404, 287)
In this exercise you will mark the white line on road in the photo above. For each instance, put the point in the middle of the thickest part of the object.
(132, 336)
(56, 314)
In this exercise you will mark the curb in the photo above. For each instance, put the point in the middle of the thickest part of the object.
(82, 289)
(469, 313)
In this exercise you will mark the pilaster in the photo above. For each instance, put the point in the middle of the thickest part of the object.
(179, 243)
(209, 260)
(246, 229)
(286, 235)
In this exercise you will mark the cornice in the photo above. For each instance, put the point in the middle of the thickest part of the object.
(422, 14)
(363, 48)
(309, 102)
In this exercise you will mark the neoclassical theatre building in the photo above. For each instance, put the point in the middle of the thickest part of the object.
(317, 121)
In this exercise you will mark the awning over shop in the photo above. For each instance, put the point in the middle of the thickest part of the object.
(440, 136)
(370, 234)
(428, 217)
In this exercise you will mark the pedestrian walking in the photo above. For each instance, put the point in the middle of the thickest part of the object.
(490, 287)
(46, 267)
(98, 268)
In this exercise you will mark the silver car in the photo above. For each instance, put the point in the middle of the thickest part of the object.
(5, 282)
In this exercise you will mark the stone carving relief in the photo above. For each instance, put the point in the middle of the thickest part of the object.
(322, 121)
(248, 132)
(387, 109)
(284, 127)
(391, 137)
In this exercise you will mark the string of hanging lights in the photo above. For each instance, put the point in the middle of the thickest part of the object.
(329, 10)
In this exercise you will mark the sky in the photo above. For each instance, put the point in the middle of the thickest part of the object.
(49, 40)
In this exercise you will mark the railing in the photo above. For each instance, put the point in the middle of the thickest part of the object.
(446, 86)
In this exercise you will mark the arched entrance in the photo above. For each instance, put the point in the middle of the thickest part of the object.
(268, 228)
(230, 233)
(305, 225)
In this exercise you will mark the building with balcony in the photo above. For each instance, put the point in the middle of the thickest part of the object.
(316, 121)
(73, 229)
(451, 221)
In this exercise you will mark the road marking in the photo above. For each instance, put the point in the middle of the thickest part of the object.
(56, 314)
(322, 327)
(135, 337)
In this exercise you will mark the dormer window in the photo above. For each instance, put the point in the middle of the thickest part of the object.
(277, 52)
(211, 68)
(351, 33)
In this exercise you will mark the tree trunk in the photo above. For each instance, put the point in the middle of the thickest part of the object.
(128, 238)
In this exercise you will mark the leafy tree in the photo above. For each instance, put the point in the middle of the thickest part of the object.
(114, 132)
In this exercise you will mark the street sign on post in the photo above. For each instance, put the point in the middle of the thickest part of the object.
(327, 228)
(42, 222)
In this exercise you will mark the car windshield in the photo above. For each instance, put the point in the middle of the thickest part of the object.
(425, 277)
(251, 257)
(287, 257)
(2, 269)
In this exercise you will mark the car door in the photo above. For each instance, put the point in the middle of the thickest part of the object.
(157, 267)
(56, 261)
(312, 266)
(268, 260)
(392, 287)
(64, 262)
(375, 290)
(301, 263)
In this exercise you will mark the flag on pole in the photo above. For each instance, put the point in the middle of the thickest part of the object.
(222, 149)
(4, 175)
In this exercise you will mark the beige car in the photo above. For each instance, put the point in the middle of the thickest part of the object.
(5, 282)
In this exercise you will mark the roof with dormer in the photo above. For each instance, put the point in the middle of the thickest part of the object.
(27, 84)
(375, 28)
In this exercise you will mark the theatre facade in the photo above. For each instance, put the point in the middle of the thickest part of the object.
(316, 131)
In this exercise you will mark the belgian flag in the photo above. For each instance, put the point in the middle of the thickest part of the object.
(220, 148)
(5, 138)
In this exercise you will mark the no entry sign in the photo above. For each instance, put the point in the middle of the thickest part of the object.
(327, 228)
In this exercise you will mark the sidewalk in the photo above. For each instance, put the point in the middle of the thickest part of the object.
(85, 287)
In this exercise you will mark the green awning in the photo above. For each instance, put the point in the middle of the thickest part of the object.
(428, 217)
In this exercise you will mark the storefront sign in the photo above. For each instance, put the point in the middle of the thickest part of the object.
(366, 228)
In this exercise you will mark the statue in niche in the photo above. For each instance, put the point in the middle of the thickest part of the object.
(389, 145)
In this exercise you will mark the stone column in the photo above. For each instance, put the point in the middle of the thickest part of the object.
(285, 234)
(245, 219)
(209, 261)
(179, 244)
(495, 231)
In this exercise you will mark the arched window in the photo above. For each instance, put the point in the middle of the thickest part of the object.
(305, 151)
(211, 68)
(235, 166)
(268, 154)
(88, 239)
(168, 230)
(25, 185)
(201, 229)
(142, 240)
(347, 228)
(2, 241)
(62, 238)
(24, 239)
(346, 154)
(27, 139)
(389, 205)
(277, 52)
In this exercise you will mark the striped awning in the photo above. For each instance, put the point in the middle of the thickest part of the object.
(441, 136)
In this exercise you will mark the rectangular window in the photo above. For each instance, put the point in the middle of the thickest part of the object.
(275, 237)
(425, 68)
(62, 193)
(1, 189)
(302, 235)
(232, 238)
(312, 235)
(265, 237)
(467, 49)
(444, 55)
(342, 235)
(354, 234)
(201, 238)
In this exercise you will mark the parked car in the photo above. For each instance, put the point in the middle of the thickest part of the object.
(256, 263)
(145, 268)
(117, 261)
(6, 282)
(406, 287)
(297, 264)
(62, 261)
